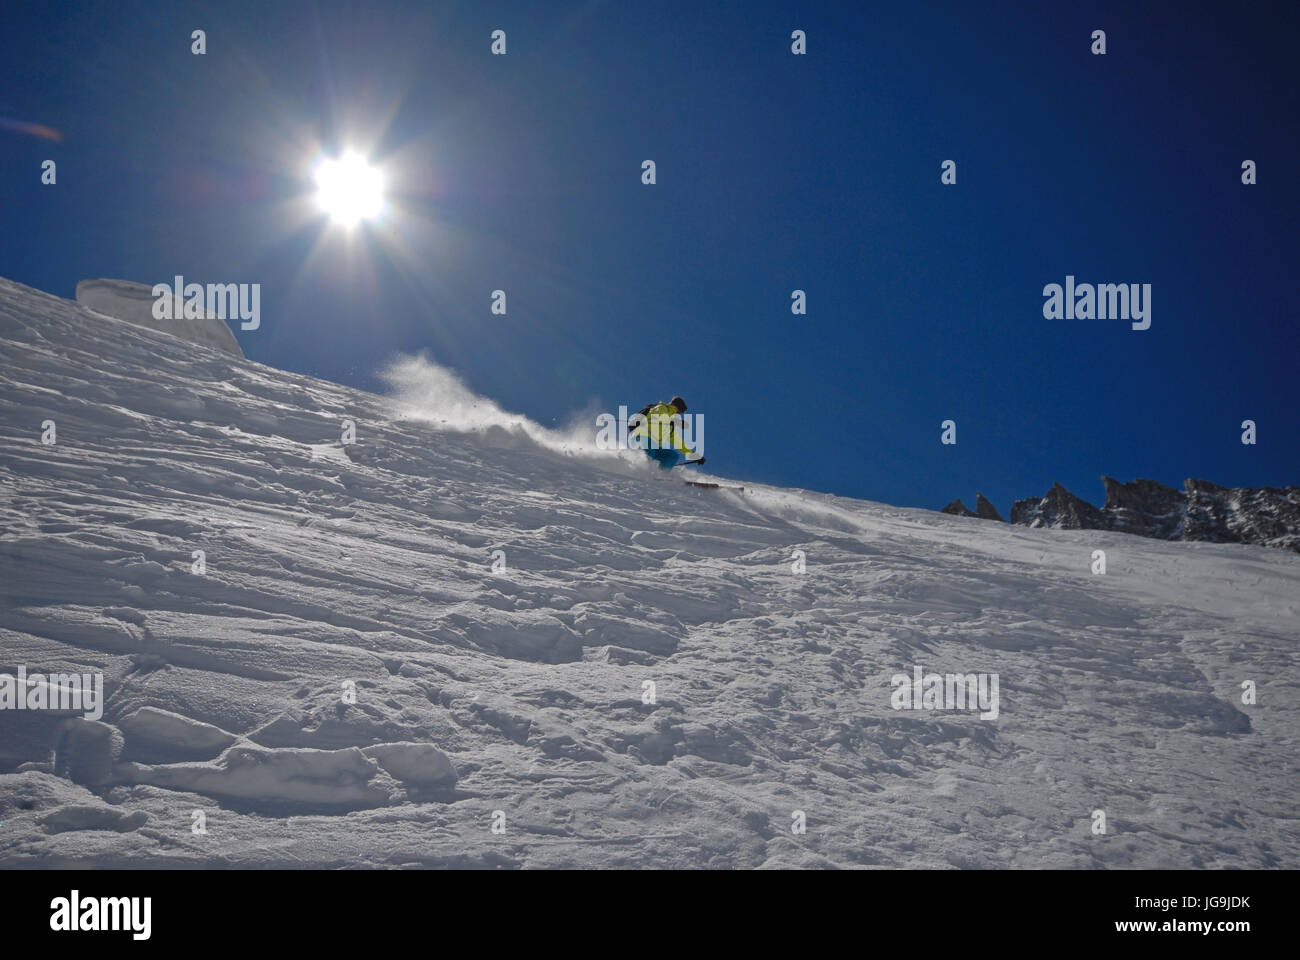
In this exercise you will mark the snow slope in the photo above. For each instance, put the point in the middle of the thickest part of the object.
(515, 697)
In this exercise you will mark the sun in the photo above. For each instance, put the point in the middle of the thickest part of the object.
(349, 189)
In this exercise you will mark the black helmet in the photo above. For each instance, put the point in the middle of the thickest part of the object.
(679, 403)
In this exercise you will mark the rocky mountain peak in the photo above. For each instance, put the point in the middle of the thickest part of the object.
(985, 510)
(1059, 509)
(1202, 510)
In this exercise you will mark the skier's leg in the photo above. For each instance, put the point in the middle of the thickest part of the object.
(667, 457)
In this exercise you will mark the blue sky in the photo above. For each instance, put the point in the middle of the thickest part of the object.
(775, 172)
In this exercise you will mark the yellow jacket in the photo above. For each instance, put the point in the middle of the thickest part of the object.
(662, 425)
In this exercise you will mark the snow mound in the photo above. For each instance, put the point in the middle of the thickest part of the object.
(87, 816)
(133, 303)
(150, 730)
(306, 777)
(415, 764)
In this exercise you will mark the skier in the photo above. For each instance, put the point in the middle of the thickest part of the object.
(660, 425)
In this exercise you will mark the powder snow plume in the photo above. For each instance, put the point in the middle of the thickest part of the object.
(425, 390)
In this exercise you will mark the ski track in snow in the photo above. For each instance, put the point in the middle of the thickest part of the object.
(372, 563)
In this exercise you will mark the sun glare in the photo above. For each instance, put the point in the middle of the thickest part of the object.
(349, 189)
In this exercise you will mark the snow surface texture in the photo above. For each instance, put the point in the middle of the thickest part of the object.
(134, 303)
(368, 567)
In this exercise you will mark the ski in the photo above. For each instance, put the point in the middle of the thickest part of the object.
(711, 486)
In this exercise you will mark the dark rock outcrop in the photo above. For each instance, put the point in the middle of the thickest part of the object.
(1059, 509)
(985, 510)
(1269, 516)
(1144, 507)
